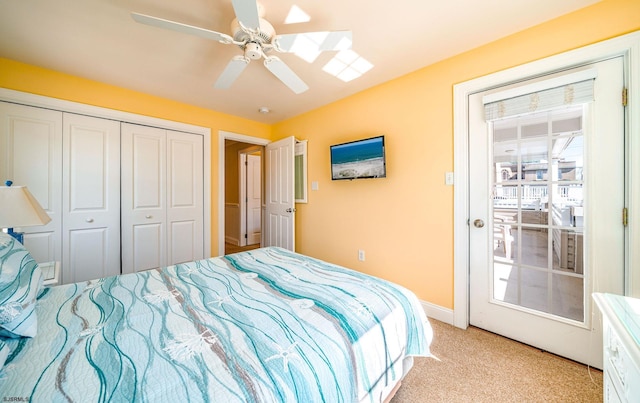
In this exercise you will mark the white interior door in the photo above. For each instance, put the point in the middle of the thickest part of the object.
(280, 182)
(91, 198)
(254, 199)
(546, 196)
(31, 155)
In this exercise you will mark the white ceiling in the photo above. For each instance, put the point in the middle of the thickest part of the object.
(98, 40)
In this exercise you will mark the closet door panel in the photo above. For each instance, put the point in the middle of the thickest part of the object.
(88, 254)
(148, 246)
(31, 155)
(183, 242)
(91, 198)
(185, 197)
(148, 182)
(143, 198)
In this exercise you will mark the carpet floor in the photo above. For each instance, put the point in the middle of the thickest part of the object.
(479, 366)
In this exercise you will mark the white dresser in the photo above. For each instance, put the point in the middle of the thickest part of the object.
(621, 333)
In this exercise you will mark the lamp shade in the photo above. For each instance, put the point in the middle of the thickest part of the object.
(18, 208)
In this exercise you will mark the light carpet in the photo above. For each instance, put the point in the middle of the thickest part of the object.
(479, 366)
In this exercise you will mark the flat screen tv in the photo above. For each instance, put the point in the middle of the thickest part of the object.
(358, 159)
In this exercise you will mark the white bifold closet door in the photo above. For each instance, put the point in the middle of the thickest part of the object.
(90, 198)
(162, 197)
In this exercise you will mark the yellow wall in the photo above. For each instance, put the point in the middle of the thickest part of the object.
(36, 80)
(232, 173)
(404, 222)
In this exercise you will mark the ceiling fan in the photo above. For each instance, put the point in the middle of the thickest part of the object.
(257, 38)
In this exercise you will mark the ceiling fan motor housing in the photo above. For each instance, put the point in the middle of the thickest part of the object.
(263, 34)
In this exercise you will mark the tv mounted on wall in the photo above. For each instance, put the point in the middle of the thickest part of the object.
(358, 159)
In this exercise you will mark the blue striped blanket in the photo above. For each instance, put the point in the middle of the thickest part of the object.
(267, 325)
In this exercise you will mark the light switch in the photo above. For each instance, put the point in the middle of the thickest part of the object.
(314, 185)
(448, 178)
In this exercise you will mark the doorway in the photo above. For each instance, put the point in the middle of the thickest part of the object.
(229, 224)
(243, 196)
(279, 185)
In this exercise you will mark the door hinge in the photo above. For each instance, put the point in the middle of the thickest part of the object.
(625, 97)
(245, 236)
(625, 216)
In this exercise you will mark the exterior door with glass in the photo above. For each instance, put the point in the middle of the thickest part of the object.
(546, 196)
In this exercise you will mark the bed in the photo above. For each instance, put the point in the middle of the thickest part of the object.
(267, 325)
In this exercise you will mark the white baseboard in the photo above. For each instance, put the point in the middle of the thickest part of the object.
(437, 312)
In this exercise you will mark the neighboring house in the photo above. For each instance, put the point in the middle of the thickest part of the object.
(405, 221)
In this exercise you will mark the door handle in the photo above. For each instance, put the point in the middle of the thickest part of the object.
(478, 223)
(290, 210)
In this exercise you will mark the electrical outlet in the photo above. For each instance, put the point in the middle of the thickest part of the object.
(361, 255)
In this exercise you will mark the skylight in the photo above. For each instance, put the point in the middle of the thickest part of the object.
(307, 46)
(347, 65)
(296, 15)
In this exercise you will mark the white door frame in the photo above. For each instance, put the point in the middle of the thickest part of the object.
(222, 136)
(627, 46)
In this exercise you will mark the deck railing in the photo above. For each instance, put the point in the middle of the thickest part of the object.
(536, 196)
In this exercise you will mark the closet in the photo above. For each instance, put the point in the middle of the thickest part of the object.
(122, 197)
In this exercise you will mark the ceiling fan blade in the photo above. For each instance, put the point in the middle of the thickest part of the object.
(285, 74)
(324, 40)
(180, 27)
(247, 13)
(232, 71)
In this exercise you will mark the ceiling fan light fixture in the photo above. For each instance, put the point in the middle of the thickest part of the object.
(253, 51)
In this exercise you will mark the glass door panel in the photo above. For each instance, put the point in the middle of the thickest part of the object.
(538, 205)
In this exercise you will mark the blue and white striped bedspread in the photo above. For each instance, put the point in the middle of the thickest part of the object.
(267, 325)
